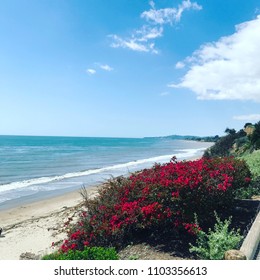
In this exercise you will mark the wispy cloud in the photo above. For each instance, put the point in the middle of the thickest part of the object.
(168, 15)
(134, 44)
(98, 66)
(140, 40)
(91, 71)
(165, 93)
(252, 117)
(143, 39)
(106, 67)
(228, 69)
(180, 65)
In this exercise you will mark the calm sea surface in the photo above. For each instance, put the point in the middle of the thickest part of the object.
(37, 167)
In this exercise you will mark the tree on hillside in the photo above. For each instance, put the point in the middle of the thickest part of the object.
(231, 131)
(255, 137)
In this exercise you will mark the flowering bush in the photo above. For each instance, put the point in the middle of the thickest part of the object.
(160, 200)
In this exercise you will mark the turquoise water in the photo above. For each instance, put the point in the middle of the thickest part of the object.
(33, 167)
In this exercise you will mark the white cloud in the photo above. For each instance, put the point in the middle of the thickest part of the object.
(106, 67)
(180, 65)
(147, 33)
(152, 4)
(168, 15)
(91, 71)
(133, 43)
(97, 66)
(139, 40)
(165, 93)
(252, 117)
(143, 39)
(227, 69)
(128, 43)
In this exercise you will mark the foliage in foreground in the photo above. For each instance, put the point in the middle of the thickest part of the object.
(253, 161)
(89, 253)
(214, 244)
(159, 201)
(252, 190)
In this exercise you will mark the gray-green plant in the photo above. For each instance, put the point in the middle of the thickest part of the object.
(214, 244)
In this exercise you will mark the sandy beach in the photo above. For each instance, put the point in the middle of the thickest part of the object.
(32, 228)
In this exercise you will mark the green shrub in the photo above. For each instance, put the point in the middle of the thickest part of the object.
(89, 253)
(253, 161)
(251, 190)
(214, 244)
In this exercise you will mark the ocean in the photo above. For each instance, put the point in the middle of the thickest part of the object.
(37, 167)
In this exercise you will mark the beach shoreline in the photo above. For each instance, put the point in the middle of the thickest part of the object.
(33, 227)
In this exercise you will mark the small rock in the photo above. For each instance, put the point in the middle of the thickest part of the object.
(29, 256)
(234, 255)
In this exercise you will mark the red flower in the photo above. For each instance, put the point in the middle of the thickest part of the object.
(150, 209)
(164, 196)
(192, 228)
(175, 194)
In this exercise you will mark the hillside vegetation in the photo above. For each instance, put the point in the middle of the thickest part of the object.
(237, 143)
(253, 161)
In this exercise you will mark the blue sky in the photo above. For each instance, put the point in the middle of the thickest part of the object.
(128, 68)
